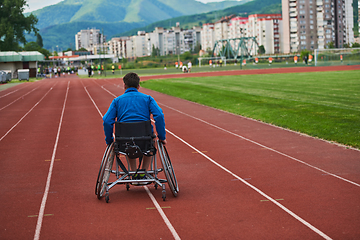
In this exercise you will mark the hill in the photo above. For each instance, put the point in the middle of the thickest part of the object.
(111, 11)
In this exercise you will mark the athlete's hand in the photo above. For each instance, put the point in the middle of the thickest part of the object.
(163, 141)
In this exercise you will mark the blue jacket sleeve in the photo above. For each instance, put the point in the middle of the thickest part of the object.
(108, 122)
(159, 118)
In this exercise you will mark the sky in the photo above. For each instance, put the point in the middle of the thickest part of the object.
(38, 4)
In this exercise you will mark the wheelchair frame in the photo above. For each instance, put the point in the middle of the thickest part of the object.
(123, 176)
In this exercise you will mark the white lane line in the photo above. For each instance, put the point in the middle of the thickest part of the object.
(256, 189)
(263, 146)
(18, 99)
(26, 114)
(93, 102)
(9, 93)
(47, 187)
(157, 205)
(166, 220)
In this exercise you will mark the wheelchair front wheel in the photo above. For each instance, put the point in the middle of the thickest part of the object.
(105, 171)
(168, 169)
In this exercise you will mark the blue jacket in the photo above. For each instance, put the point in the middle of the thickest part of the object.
(133, 106)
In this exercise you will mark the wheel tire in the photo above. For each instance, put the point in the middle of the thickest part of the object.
(168, 169)
(97, 186)
(105, 171)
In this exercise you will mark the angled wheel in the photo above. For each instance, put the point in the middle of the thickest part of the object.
(100, 170)
(168, 168)
(105, 171)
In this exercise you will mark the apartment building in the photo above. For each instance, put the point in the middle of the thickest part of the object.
(267, 28)
(314, 24)
(117, 46)
(207, 36)
(221, 28)
(238, 27)
(167, 41)
(90, 39)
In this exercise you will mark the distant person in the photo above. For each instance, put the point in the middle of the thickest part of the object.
(92, 70)
(89, 69)
(310, 58)
(184, 69)
(295, 60)
(189, 66)
(270, 60)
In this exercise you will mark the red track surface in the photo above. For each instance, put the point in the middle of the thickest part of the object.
(238, 178)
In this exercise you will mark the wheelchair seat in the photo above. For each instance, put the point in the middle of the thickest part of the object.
(130, 134)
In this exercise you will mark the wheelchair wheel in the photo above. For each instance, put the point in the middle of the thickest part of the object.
(105, 171)
(97, 186)
(168, 168)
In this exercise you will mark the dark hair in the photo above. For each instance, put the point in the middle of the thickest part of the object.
(131, 80)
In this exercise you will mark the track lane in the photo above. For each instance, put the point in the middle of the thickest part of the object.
(14, 110)
(80, 149)
(25, 153)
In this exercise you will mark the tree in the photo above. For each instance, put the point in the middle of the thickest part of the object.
(33, 46)
(261, 49)
(155, 51)
(330, 45)
(304, 53)
(13, 24)
(197, 48)
(39, 40)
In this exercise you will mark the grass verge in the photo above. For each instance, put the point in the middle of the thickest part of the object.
(322, 104)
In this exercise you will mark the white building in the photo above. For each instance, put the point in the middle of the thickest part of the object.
(117, 46)
(221, 28)
(89, 39)
(267, 29)
(166, 41)
(207, 37)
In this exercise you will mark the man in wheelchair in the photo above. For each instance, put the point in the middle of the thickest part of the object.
(132, 107)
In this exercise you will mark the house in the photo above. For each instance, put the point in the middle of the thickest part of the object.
(13, 61)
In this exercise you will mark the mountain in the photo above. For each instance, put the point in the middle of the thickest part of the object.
(59, 23)
(111, 11)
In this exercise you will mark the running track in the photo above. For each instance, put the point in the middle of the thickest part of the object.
(238, 178)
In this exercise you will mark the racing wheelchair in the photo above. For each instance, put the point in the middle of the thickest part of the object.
(134, 140)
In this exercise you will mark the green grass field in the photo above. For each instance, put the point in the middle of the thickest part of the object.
(195, 68)
(322, 104)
